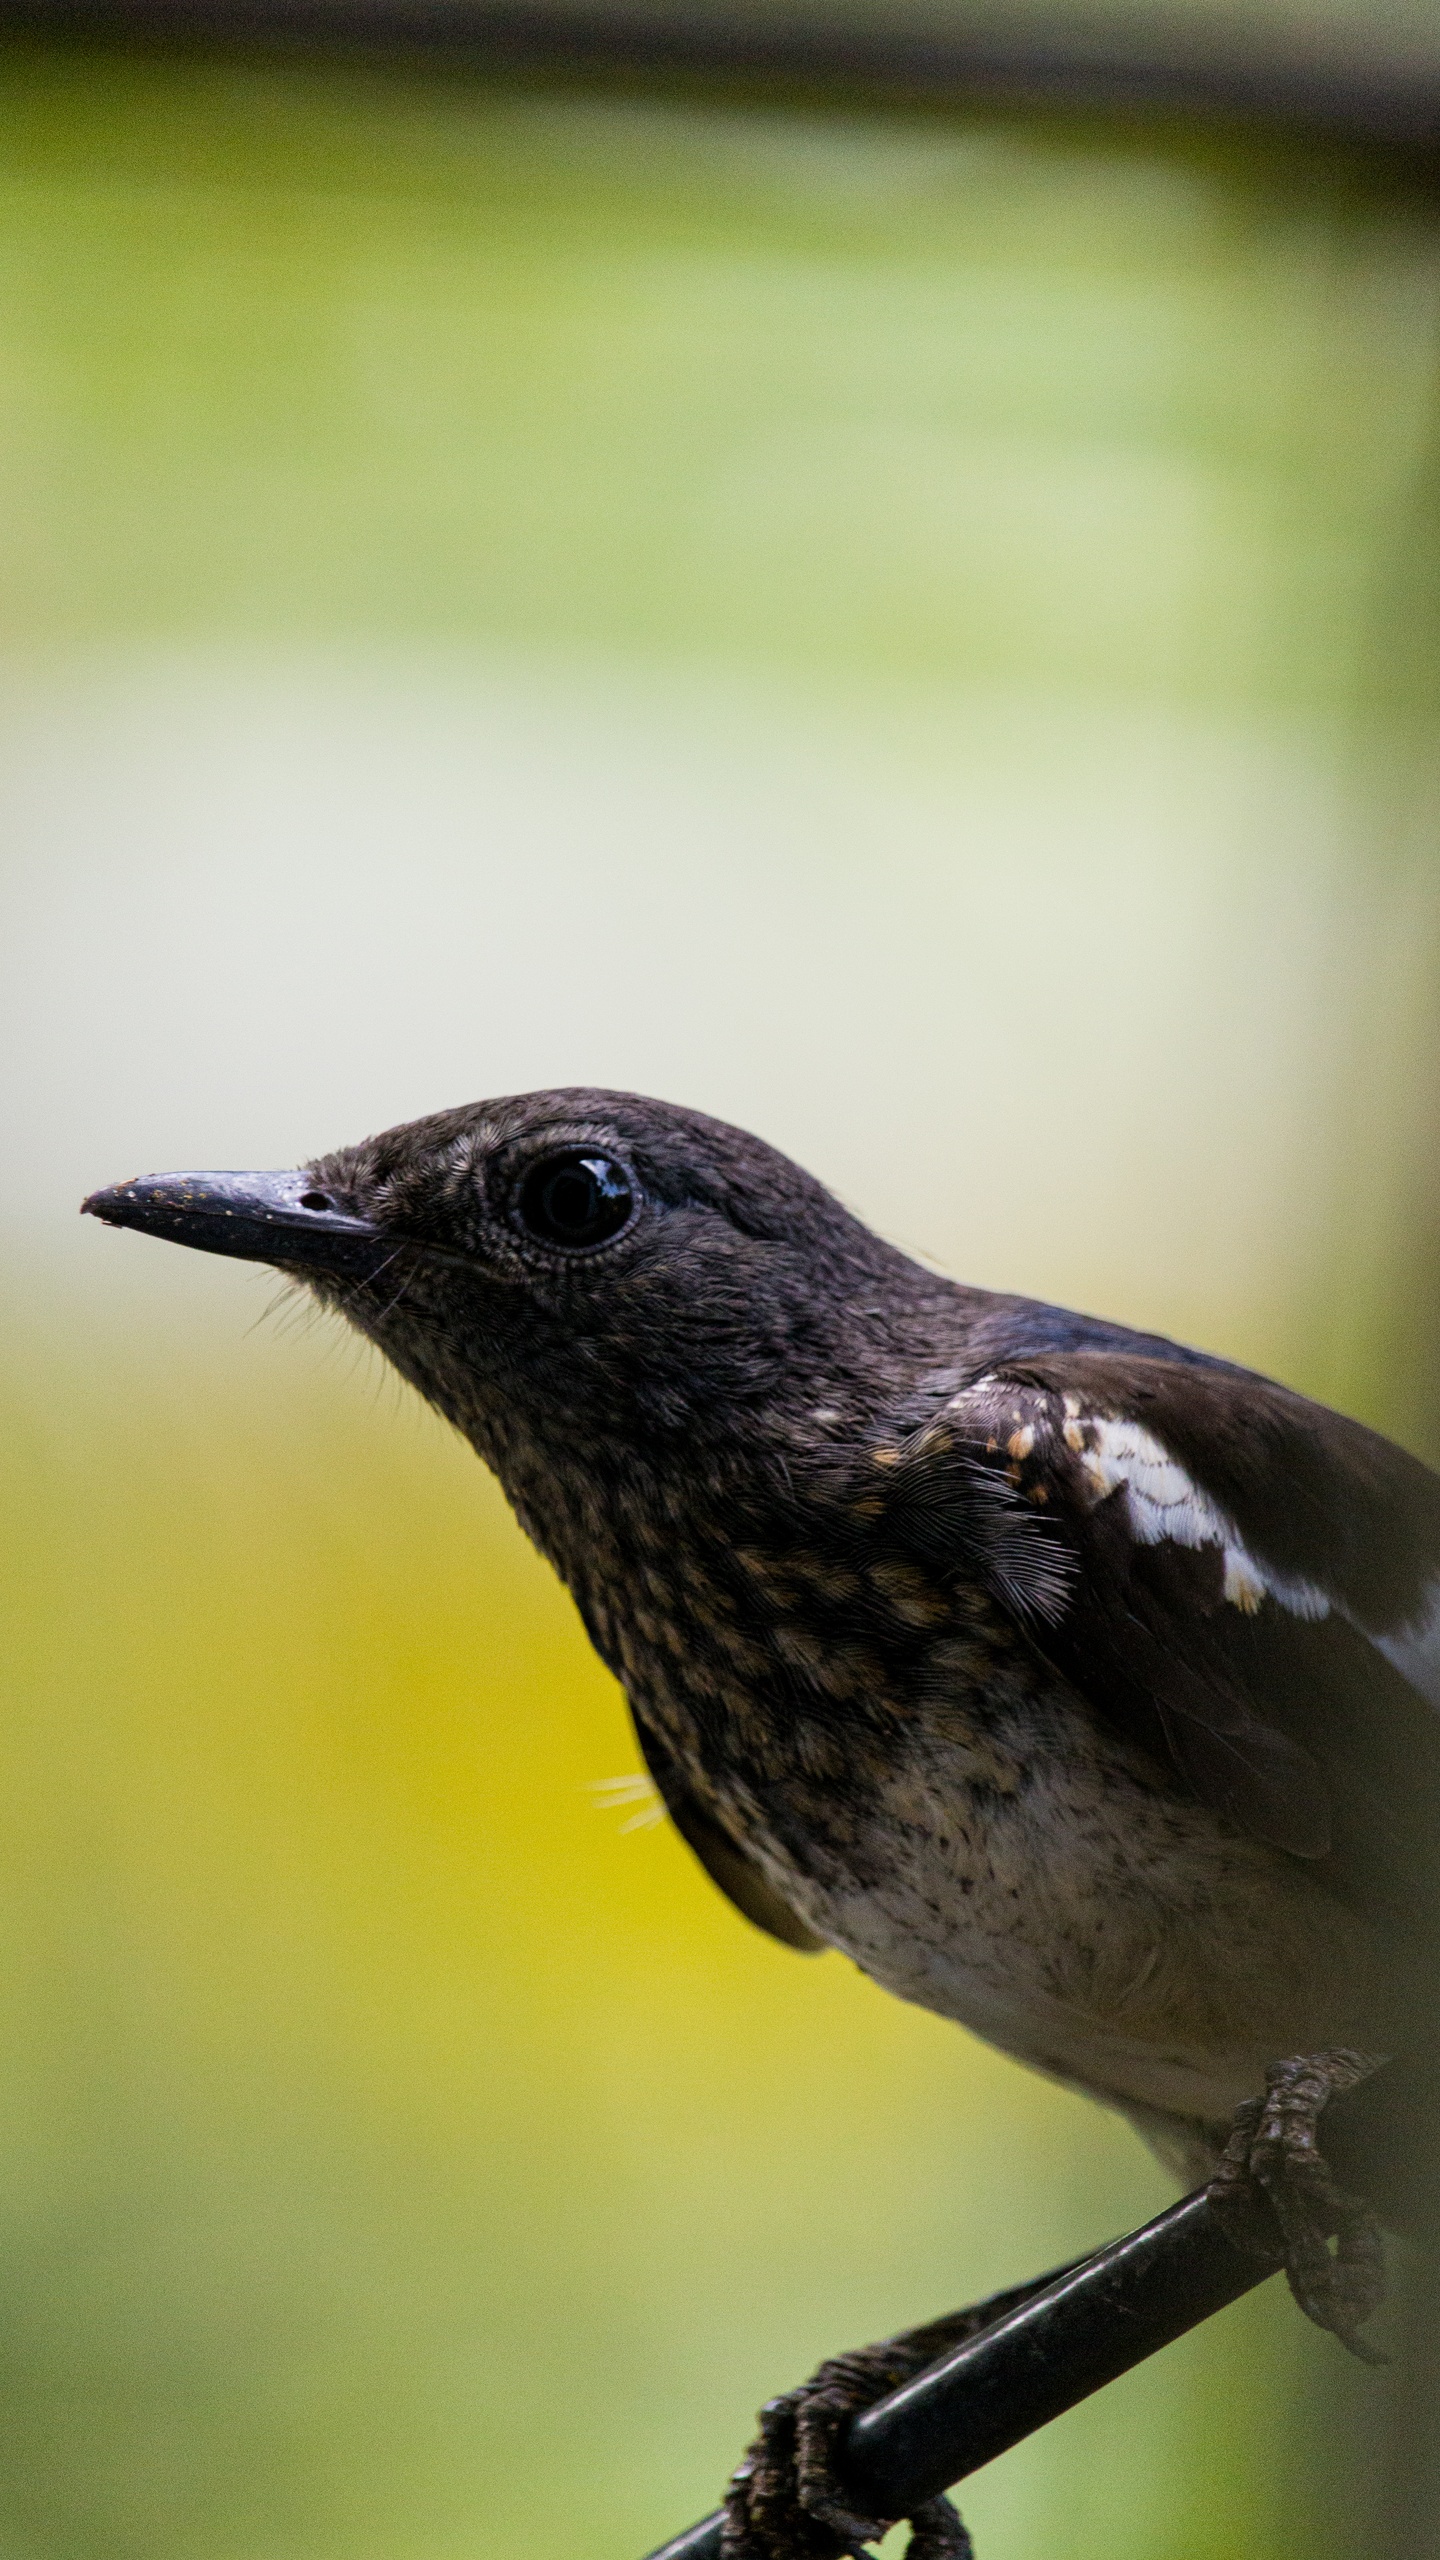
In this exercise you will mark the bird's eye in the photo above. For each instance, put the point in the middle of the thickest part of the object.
(575, 1199)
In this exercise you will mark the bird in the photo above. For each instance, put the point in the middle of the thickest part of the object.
(1079, 1686)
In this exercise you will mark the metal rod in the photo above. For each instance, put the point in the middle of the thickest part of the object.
(1083, 2330)
(1095, 2320)
(1072, 55)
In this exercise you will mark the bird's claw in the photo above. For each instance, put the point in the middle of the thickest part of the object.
(780, 2503)
(785, 2501)
(1273, 2174)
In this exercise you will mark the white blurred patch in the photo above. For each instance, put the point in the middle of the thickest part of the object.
(260, 907)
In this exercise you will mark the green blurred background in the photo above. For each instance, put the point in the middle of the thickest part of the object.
(913, 633)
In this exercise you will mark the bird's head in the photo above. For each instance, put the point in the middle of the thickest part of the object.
(564, 1269)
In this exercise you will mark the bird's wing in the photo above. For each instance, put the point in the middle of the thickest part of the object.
(1237, 1577)
(739, 1879)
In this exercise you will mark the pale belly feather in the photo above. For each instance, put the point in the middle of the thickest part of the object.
(1121, 1939)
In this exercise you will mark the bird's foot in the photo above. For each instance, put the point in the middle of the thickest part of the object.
(786, 2502)
(1273, 2159)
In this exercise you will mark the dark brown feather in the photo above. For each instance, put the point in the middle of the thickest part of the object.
(738, 1877)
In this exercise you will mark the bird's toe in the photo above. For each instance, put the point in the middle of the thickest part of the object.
(786, 2500)
(1276, 2195)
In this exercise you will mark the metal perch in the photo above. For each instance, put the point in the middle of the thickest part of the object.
(1092, 2322)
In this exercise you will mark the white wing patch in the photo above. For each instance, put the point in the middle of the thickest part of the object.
(1162, 1502)
(1415, 1650)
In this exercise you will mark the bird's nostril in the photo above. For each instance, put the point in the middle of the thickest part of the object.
(316, 1200)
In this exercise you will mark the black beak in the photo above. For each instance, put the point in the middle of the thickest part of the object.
(281, 1218)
